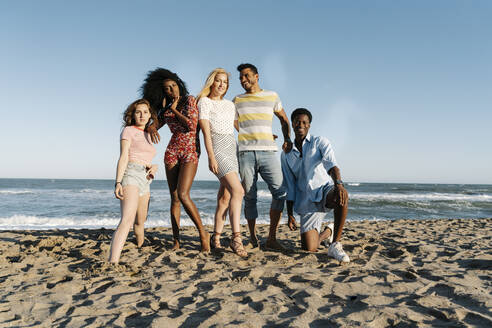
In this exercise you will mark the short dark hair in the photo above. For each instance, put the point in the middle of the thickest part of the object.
(301, 111)
(247, 65)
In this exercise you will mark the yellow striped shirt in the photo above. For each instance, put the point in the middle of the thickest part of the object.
(254, 113)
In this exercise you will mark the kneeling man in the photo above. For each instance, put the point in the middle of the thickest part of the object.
(314, 187)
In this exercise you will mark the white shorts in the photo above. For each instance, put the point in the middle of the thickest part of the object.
(136, 175)
(313, 220)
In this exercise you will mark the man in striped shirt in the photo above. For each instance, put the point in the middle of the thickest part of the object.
(257, 149)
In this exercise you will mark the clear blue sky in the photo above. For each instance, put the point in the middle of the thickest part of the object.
(403, 89)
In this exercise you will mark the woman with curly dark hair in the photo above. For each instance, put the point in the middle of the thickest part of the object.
(168, 93)
(134, 174)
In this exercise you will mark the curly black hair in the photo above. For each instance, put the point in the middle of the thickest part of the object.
(153, 88)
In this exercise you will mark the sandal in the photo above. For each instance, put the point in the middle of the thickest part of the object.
(215, 241)
(237, 245)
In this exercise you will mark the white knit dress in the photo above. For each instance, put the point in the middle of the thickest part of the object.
(221, 114)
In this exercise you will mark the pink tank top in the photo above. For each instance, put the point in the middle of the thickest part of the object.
(141, 148)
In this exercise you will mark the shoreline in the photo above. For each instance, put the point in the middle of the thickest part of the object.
(244, 227)
(402, 272)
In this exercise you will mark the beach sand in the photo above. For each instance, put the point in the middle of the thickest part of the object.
(404, 273)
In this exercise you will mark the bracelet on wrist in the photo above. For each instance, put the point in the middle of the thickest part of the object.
(116, 183)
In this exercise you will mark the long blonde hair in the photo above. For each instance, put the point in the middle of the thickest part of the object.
(205, 92)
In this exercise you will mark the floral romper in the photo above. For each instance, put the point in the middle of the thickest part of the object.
(184, 146)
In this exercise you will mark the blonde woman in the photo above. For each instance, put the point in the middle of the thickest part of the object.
(216, 117)
(134, 174)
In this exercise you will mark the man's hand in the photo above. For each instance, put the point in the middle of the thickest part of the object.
(287, 146)
(341, 195)
(154, 135)
(292, 223)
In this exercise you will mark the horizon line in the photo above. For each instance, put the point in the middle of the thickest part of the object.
(346, 182)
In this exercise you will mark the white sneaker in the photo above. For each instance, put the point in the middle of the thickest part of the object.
(336, 251)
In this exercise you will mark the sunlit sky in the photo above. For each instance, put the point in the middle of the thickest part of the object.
(403, 89)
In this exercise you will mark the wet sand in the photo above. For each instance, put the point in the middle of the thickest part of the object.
(403, 273)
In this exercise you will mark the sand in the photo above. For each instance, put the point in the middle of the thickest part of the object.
(404, 273)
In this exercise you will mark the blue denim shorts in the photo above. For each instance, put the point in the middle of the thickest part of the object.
(136, 175)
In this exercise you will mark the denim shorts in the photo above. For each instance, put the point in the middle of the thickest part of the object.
(136, 175)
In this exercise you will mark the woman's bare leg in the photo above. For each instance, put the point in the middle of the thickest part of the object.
(172, 175)
(233, 185)
(187, 173)
(223, 198)
(128, 207)
(142, 211)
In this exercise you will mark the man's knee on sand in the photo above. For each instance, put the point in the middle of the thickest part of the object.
(310, 240)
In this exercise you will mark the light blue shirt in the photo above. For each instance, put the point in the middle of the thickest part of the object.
(307, 177)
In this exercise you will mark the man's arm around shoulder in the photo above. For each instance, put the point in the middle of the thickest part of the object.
(284, 121)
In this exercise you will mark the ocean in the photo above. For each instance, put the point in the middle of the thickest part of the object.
(37, 204)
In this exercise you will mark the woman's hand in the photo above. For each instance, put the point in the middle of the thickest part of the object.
(213, 166)
(118, 191)
(151, 171)
(154, 135)
(174, 105)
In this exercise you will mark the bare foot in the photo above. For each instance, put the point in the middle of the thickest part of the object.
(251, 246)
(274, 245)
(175, 245)
(205, 242)
(143, 243)
(253, 242)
